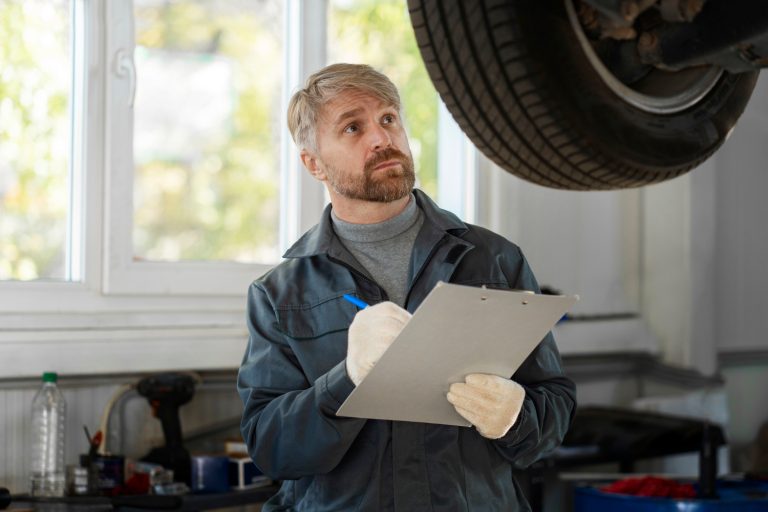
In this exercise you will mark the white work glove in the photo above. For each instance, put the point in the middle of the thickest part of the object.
(488, 402)
(371, 333)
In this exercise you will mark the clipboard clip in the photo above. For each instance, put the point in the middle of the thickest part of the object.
(523, 302)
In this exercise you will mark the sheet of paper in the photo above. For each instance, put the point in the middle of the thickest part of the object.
(456, 331)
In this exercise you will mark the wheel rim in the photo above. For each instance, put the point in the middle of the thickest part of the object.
(661, 92)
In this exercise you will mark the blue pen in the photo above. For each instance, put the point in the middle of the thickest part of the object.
(354, 300)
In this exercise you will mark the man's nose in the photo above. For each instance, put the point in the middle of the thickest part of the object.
(379, 138)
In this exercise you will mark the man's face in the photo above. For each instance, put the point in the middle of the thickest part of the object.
(363, 150)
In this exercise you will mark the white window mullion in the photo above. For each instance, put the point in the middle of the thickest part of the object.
(314, 56)
(302, 197)
(290, 184)
(119, 144)
(74, 251)
(457, 164)
(93, 141)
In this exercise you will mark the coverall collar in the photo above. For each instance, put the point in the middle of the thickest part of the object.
(321, 239)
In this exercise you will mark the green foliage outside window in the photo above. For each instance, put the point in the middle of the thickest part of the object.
(215, 198)
(34, 136)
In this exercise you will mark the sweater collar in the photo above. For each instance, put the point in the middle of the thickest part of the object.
(379, 231)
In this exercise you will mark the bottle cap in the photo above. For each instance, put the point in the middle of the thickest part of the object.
(50, 377)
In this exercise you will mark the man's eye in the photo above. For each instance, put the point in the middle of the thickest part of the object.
(389, 118)
(352, 128)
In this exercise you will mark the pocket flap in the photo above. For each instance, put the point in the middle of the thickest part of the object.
(307, 321)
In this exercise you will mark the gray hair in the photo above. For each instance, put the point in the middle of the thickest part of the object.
(324, 85)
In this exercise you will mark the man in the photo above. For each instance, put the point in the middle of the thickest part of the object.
(389, 245)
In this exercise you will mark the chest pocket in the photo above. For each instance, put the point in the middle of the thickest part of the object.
(317, 333)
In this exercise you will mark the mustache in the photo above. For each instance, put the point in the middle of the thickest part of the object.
(384, 155)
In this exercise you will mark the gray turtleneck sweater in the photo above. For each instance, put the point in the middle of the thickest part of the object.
(384, 249)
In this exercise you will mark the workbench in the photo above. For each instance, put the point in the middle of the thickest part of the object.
(143, 503)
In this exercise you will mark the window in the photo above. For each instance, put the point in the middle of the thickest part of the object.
(207, 130)
(35, 139)
(194, 204)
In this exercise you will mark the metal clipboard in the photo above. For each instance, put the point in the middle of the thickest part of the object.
(457, 330)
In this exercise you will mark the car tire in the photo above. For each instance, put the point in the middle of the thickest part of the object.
(518, 82)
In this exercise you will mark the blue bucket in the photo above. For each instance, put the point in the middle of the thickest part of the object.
(747, 496)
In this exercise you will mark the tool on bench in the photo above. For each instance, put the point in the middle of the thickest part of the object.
(166, 393)
(93, 442)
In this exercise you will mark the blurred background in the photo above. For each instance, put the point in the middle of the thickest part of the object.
(147, 177)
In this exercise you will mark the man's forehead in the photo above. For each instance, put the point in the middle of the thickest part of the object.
(350, 103)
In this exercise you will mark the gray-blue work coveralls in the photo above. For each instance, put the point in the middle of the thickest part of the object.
(293, 380)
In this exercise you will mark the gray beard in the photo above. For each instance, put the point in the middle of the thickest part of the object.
(387, 186)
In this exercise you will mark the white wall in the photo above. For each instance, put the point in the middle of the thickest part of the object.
(741, 285)
(741, 289)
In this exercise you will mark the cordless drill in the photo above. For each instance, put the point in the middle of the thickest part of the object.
(167, 392)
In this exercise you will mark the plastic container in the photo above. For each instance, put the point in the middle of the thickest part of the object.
(49, 411)
(210, 474)
(738, 496)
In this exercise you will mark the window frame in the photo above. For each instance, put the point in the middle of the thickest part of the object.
(300, 196)
(125, 316)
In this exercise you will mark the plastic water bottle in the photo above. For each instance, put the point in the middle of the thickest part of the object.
(49, 413)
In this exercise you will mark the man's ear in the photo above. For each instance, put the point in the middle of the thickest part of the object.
(311, 162)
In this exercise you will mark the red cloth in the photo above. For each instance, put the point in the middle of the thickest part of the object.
(138, 483)
(651, 486)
